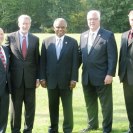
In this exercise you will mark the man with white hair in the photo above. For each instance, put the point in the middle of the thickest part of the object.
(24, 68)
(98, 53)
(59, 73)
(126, 69)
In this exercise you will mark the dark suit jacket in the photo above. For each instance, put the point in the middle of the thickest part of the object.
(4, 74)
(126, 59)
(60, 71)
(19, 67)
(102, 58)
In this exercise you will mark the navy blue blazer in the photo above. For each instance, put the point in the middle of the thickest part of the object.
(102, 58)
(60, 71)
(4, 74)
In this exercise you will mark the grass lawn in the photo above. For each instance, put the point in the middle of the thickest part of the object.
(120, 121)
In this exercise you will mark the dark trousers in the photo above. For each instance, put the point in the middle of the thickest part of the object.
(4, 106)
(128, 94)
(91, 95)
(19, 96)
(54, 96)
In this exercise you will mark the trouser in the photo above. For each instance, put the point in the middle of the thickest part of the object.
(4, 106)
(128, 95)
(54, 96)
(91, 95)
(19, 96)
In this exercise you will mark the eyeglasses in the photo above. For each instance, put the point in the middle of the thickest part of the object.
(92, 19)
(63, 27)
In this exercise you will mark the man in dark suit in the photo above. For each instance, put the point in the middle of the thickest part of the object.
(4, 83)
(24, 68)
(125, 71)
(98, 53)
(59, 73)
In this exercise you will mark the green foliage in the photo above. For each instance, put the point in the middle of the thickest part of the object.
(114, 13)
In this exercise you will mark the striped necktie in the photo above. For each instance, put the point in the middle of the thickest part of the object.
(2, 58)
(58, 48)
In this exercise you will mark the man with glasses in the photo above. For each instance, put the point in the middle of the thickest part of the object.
(98, 53)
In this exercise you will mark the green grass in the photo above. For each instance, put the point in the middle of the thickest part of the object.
(120, 121)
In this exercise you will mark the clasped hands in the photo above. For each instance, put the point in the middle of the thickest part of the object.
(44, 84)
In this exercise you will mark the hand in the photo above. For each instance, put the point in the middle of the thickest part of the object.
(72, 84)
(37, 83)
(108, 79)
(43, 83)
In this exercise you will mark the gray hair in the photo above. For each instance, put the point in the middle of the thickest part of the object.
(94, 11)
(58, 20)
(22, 17)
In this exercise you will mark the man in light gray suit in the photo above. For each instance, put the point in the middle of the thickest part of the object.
(98, 53)
(59, 73)
(126, 70)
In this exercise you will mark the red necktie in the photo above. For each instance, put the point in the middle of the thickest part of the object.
(24, 47)
(130, 35)
(2, 58)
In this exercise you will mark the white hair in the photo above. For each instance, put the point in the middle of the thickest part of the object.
(92, 12)
(58, 20)
(22, 17)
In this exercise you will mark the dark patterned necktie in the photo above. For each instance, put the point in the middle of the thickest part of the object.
(24, 47)
(130, 37)
(2, 58)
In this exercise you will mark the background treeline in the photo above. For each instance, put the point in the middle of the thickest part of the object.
(43, 12)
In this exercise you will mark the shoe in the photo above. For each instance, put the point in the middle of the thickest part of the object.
(86, 130)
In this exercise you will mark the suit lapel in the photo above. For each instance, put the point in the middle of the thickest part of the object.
(64, 45)
(18, 41)
(29, 43)
(85, 44)
(96, 40)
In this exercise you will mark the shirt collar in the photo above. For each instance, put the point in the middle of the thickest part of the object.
(95, 32)
(57, 38)
(23, 34)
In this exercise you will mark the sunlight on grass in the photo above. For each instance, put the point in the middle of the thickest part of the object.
(120, 122)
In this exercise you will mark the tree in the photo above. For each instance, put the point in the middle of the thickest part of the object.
(114, 13)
